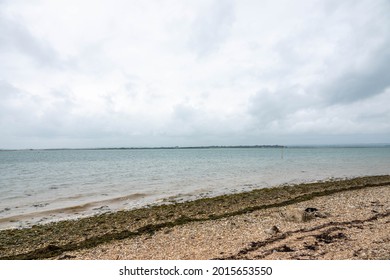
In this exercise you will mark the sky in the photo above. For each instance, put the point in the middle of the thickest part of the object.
(118, 73)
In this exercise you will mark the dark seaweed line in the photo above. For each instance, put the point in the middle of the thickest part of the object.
(253, 246)
(51, 250)
(325, 234)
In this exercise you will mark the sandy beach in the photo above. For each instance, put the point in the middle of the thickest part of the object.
(343, 219)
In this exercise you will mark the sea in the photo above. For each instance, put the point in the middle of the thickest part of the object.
(40, 186)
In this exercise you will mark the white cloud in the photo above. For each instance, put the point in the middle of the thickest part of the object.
(136, 73)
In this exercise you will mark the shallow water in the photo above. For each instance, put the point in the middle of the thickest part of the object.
(46, 185)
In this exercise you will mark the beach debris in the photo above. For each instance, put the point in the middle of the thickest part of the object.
(283, 248)
(102, 208)
(312, 247)
(66, 257)
(37, 205)
(297, 215)
(316, 212)
(376, 203)
(5, 210)
(272, 231)
(361, 253)
(302, 215)
(327, 238)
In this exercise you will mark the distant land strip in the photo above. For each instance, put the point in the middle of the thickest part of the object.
(381, 145)
(156, 148)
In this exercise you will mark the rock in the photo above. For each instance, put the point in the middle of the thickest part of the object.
(297, 215)
(284, 248)
(272, 231)
(321, 214)
(302, 215)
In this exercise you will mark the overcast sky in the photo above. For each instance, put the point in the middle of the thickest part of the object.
(183, 73)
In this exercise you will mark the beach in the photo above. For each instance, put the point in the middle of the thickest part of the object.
(335, 219)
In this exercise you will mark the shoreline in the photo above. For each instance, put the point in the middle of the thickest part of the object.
(112, 205)
(42, 216)
(64, 238)
(74, 212)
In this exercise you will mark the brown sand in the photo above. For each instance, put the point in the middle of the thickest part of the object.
(346, 225)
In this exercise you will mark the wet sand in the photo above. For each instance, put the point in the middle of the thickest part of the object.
(41, 215)
(346, 219)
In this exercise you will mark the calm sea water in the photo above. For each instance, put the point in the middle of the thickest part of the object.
(46, 185)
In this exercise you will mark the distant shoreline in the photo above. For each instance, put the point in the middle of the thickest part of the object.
(384, 145)
(153, 148)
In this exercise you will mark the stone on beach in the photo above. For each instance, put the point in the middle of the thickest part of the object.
(272, 231)
(302, 215)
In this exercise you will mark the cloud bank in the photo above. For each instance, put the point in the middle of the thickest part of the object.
(178, 73)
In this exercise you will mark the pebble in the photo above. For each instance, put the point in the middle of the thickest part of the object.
(272, 231)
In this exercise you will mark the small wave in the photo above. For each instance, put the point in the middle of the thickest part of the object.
(69, 211)
(134, 196)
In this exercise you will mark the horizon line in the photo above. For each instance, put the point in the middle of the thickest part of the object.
(210, 147)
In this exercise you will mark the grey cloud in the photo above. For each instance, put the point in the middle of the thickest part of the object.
(195, 122)
(7, 94)
(15, 37)
(271, 107)
(364, 55)
(7, 90)
(131, 86)
(211, 27)
(184, 112)
(185, 120)
(344, 46)
(352, 86)
(293, 112)
(23, 114)
(320, 69)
